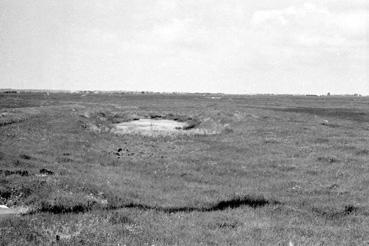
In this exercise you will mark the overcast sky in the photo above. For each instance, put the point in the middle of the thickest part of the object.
(230, 46)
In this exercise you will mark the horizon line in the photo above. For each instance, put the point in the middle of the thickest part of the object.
(328, 94)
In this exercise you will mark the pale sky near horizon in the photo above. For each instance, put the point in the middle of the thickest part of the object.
(229, 46)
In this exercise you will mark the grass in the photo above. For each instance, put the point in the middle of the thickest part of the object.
(279, 169)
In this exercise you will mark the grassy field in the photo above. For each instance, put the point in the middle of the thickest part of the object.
(270, 170)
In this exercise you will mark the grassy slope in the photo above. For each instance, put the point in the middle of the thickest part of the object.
(306, 156)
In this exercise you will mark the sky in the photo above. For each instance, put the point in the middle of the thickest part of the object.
(228, 46)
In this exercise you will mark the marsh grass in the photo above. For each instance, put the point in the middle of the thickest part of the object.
(278, 174)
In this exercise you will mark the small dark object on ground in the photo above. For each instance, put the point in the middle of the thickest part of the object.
(329, 159)
(225, 225)
(25, 157)
(120, 149)
(229, 130)
(333, 186)
(64, 159)
(191, 124)
(155, 116)
(101, 114)
(329, 125)
(350, 209)
(45, 171)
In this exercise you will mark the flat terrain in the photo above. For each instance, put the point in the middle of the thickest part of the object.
(261, 170)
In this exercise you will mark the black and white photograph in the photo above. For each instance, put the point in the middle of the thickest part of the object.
(184, 122)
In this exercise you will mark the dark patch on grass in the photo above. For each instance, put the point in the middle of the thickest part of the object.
(101, 114)
(331, 213)
(340, 113)
(330, 125)
(5, 193)
(10, 121)
(64, 159)
(190, 124)
(25, 157)
(45, 171)
(60, 209)
(83, 124)
(253, 202)
(155, 116)
(228, 130)
(333, 186)
(350, 209)
(362, 152)
(16, 172)
(321, 140)
(180, 118)
(21, 163)
(328, 159)
(225, 225)
(271, 141)
(67, 204)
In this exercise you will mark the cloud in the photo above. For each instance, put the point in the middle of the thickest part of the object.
(344, 5)
(317, 43)
(208, 45)
(313, 35)
(314, 25)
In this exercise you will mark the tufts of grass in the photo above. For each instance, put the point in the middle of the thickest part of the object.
(18, 231)
(119, 217)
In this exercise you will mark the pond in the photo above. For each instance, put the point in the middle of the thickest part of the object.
(150, 126)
